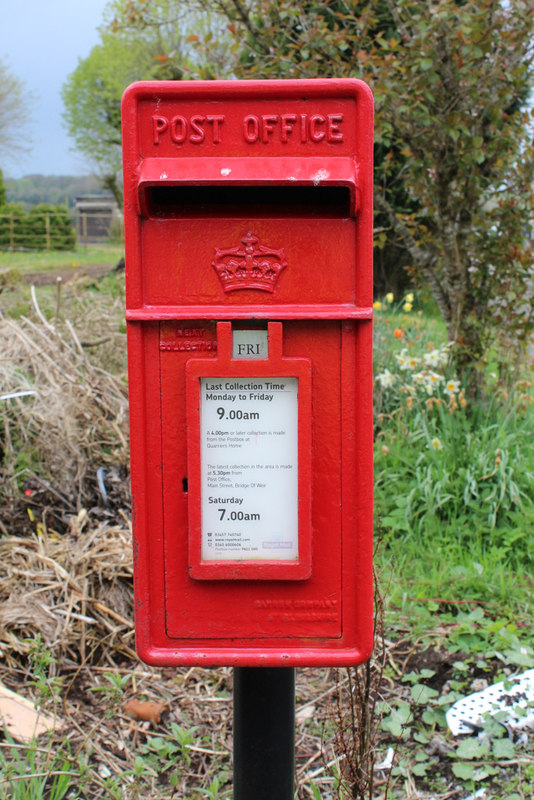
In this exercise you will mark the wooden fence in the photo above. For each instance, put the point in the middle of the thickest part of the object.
(56, 230)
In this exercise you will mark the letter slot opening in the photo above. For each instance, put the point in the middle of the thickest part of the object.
(250, 201)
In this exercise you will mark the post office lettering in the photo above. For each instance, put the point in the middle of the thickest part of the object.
(257, 129)
(196, 129)
(293, 127)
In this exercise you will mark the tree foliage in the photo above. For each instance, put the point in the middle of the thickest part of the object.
(450, 87)
(13, 111)
(149, 40)
(454, 172)
(3, 190)
(91, 97)
(31, 190)
(454, 168)
(450, 81)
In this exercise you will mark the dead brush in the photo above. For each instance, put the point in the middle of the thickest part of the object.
(358, 717)
(61, 416)
(98, 319)
(74, 590)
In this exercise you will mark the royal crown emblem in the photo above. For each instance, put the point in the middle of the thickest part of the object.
(250, 266)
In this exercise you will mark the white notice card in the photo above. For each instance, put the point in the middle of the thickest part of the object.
(249, 447)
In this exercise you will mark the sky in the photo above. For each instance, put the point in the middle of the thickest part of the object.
(41, 42)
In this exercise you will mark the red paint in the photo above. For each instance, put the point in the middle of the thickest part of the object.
(249, 204)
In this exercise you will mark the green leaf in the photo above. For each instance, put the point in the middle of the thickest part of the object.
(523, 657)
(433, 717)
(427, 673)
(421, 756)
(472, 748)
(316, 792)
(463, 771)
(420, 769)
(481, 773)
(422, 694)
(420, 737)
(503, 749)
(397, 720)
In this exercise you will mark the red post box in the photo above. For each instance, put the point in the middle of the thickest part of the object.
(248, 219)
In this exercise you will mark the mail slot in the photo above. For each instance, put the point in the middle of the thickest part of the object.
(248, 224)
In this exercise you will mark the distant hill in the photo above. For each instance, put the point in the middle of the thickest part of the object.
(34, 189)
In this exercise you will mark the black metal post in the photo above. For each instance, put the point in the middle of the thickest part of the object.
(264, 733)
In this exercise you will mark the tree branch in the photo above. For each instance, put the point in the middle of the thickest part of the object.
(244, 16)
(424, 260)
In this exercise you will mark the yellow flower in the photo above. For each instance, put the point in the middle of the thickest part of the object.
(389, 297)
(377, 305)
(407, 306)
(409, 297)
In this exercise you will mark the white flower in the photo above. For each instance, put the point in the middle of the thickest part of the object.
(432, 381)
(428, 380)
(436, 444)
(407, 362)
(432, 359)
(437, 358)
(401, 358)
(385, 379)
(452, 387)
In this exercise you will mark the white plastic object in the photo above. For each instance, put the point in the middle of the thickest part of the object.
(466, 715)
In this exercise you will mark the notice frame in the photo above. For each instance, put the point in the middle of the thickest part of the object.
(294, 374)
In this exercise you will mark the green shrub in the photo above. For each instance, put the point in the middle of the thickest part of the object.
(45, 227)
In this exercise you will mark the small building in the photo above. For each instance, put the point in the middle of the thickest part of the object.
(97, 218)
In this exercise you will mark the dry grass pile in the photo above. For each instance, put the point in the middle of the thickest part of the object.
(74, 589)
(95, 306)
(61, 416)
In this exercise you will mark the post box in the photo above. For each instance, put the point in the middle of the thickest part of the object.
(248, 224)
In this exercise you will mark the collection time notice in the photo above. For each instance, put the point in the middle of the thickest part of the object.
(249, 472)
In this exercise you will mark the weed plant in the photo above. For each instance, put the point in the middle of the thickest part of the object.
(450, 470)
(33, 770)
(453, 475)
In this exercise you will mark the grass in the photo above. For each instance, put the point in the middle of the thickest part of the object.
(27, 263)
